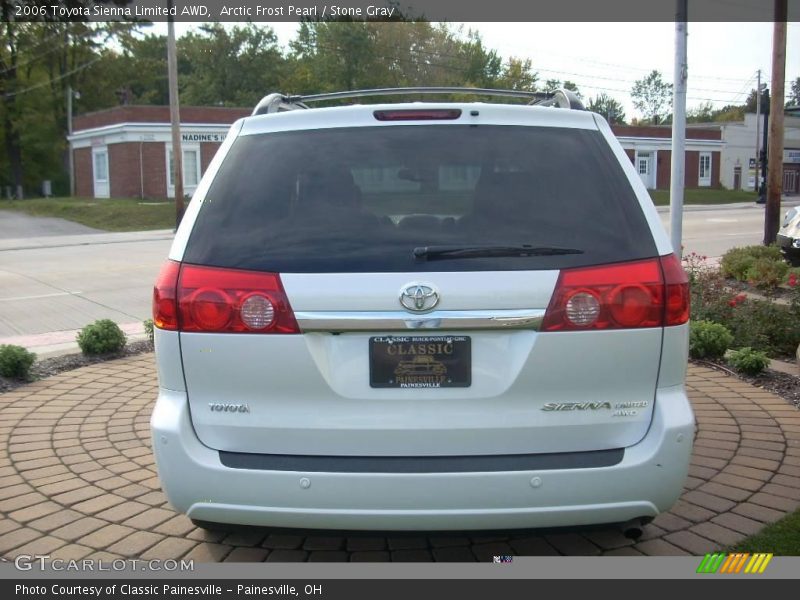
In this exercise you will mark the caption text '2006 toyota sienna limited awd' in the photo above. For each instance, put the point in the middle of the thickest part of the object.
(421, 316)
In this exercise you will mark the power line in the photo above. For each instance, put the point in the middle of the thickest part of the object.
(49, 50)
(49, 81)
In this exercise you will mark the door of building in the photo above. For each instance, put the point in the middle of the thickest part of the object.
(100, 172)
(644, 166)
(704, 175)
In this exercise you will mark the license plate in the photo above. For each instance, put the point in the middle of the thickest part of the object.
(420, 361)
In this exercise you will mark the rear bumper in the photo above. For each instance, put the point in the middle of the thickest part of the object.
(645, 482)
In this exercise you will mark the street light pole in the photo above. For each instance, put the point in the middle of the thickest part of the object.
(69, 143)
(678, 129)
(758, 116)
(174, 115)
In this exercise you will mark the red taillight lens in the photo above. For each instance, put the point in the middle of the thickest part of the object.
(431, 114)
(210, 309)
(233, 301)
(165, 306)
(618, 296)
(676, 282)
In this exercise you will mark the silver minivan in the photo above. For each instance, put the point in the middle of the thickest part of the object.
(421, 316)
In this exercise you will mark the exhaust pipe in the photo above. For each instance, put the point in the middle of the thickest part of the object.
(634, 528)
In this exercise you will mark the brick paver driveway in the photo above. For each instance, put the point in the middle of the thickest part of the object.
(77, 480)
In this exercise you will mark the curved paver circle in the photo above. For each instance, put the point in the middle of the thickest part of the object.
(78, 481)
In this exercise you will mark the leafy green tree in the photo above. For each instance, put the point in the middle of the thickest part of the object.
(702, 113)
(652, 96)
(228, 67)
(518, 74)
(551, 85)
(608, 107)
(793, 97)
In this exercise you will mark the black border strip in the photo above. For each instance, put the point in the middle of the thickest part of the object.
(422, 464)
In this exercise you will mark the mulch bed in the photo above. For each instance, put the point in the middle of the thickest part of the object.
(779, 293)
(59, 364)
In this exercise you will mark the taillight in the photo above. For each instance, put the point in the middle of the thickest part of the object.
(212, 299)
(165, 306)
(645, 293)
(676, 282)
(418, 114)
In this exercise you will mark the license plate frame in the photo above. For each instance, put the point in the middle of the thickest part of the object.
(420, 362)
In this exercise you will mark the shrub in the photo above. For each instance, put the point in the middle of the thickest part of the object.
(16, 362)
(768, 326)
(101, 337)
(148, 329)
(708, 339)
(767, 274)
(748, 361)
(736, 262)
(710, 297)
(765, 325)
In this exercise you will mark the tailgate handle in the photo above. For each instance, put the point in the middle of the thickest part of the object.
(334, 321)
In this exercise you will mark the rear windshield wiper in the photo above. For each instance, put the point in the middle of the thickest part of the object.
(522, 250)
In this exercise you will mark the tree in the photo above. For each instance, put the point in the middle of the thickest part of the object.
(794, 94)
(229, 67)
(572, 87)
(551, 85)
(608, 107)
(518, 75)
(702, 113)
(652, 96)
(39, 61)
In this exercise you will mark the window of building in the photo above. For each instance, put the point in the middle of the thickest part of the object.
(191, 169)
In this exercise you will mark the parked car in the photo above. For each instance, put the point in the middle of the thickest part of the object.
(513, 244)
(789, 236)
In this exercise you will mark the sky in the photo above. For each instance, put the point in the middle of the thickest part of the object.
(723, 58)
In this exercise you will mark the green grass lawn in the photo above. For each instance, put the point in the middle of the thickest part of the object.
(110, 214)
(782, 538)
(704, 196)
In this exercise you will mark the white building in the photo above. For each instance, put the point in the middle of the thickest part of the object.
(737, 169)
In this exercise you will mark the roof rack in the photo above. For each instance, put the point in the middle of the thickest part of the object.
(277, 102)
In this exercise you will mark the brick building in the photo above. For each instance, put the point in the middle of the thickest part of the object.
(126, 151)
(650, 151)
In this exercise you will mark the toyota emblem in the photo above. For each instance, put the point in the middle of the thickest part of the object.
(419, 297)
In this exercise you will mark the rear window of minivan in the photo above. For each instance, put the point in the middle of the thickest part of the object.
(363, 199)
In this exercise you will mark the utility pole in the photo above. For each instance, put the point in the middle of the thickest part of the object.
(175, 117)
(775, 150)
(762, 157)
(680, 76)
(758, 124)
(69, 144)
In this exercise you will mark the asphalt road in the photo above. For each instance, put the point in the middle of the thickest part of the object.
(15, 225)
(59, 283)
(711, 231)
